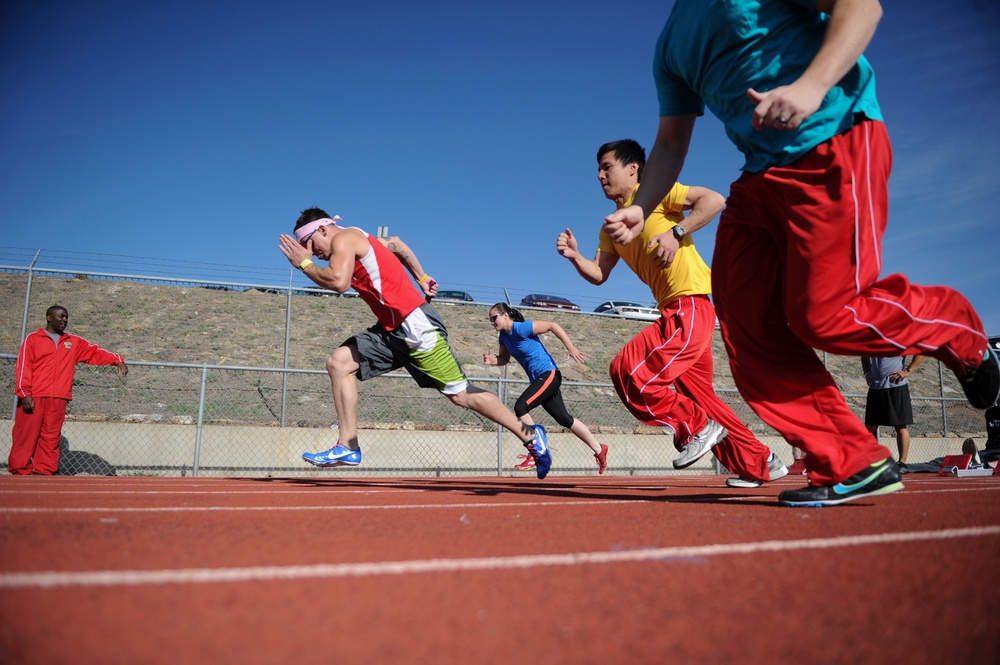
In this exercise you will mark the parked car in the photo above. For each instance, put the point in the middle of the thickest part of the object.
(555, 302)
(628, 310)
(995, 344)
(455, 295)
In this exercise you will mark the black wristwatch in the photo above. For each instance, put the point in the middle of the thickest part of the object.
(679, 233)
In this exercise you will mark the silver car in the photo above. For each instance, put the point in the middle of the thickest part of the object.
(628, 310)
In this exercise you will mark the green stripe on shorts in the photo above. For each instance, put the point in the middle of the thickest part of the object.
(440, 365)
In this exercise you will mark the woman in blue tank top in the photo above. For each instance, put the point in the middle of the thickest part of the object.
(519, 338)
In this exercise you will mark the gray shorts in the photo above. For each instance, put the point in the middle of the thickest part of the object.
(419, 345)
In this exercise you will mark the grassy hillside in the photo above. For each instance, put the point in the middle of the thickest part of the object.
(196, 325)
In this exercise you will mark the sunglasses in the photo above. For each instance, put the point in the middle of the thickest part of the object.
(495, 317)
(305, 241)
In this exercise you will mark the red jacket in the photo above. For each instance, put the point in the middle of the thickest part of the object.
(45, 369)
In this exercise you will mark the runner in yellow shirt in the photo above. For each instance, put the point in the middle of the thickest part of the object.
(676, 349)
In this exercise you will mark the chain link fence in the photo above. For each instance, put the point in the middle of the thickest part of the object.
(217, 386)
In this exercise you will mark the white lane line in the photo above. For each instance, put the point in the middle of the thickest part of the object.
(400, 506)
(51, 579)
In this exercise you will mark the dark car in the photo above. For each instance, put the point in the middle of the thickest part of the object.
(555, 302)
(995, 344)
(455, 295)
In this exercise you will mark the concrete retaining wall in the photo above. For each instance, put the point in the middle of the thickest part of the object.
(272, 451)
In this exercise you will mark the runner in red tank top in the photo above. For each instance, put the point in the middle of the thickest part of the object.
(409, 333)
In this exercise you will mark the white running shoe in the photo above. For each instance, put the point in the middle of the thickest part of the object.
(701, 443)
(775, 467)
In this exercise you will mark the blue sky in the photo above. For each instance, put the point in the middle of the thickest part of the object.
(183, 136)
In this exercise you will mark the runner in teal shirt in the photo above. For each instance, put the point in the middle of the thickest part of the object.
(733, 45)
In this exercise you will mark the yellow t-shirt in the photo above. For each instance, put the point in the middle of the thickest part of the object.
(688, 275)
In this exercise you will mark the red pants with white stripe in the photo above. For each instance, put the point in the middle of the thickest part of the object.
(796, 268)
(36, 436)
(676, 350)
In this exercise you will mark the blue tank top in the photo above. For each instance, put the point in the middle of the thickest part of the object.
(527, 349)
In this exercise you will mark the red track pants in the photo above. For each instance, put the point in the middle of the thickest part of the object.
(676, 350)
(36, 436)
(796, 268)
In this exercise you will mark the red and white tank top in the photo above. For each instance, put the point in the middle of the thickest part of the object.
(383, 283)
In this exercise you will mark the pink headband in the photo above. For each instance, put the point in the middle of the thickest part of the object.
(303, 232)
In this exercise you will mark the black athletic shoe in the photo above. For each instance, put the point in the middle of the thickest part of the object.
(880, 478)
(982, 384)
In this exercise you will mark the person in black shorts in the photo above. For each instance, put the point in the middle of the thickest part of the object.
(889, 397)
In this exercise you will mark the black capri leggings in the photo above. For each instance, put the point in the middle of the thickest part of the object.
(544, 392)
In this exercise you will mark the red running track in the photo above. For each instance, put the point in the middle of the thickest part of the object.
(493, 570)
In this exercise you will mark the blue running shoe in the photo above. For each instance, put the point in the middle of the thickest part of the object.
(539, 449)
(882, 477)
(337, 456)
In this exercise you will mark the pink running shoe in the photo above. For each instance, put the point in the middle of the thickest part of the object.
(602, 459)
(525, 463)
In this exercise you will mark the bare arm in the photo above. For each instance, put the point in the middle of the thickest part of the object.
(542, 327)
(704, 205)
(596, 271)
(347, 246)
(905, 373)
(411, 263)
(850, 29)
(866, 369)
(501, 358)
(662, 168)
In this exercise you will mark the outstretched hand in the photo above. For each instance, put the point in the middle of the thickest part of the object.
(293, 250)
(566, 245)
(429, 287)
(785, 107)
(624, 225)
(666, 247)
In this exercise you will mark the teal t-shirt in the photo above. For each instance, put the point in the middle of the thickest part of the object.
(711, 51)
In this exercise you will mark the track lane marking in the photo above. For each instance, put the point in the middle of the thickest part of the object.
(108, 578)
(398, 506)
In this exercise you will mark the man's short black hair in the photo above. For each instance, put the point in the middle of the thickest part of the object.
(626, 151)
(55, 308)
(310, 215)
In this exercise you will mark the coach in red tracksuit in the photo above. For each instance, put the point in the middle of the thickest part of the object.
(43, 384)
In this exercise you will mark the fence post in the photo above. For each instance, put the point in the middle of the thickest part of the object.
(288, 334)
(502, 396)
(944, 405)
(24, 317)
(201, 418)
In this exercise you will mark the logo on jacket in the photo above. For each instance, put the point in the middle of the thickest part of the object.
(68, 344)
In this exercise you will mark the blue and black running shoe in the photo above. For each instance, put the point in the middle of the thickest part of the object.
(882, 477)
(539, 449)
